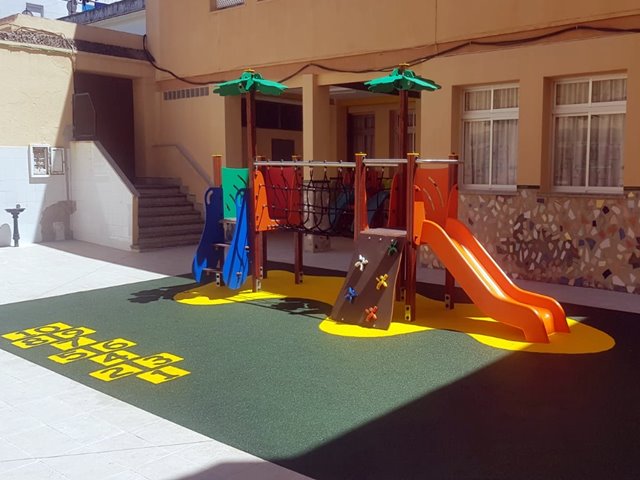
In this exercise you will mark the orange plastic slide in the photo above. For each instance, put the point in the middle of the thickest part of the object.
(488, 286)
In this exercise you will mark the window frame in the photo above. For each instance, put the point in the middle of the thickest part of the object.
(491, 115)
(580, 110)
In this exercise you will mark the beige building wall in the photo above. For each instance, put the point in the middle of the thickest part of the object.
(533, 68)
(36, 97)
(293, 31)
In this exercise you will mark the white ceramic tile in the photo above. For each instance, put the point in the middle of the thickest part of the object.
(128, 475)
(168, 468)
(8, 452)
(11, 465)
(119, 443)
(125, 416)
(36, 470)
(163, 432)
(43, 441)
(85, 399)
(86, 428)
(136, 458)
(47, 409)
(213, 452)
(14, 421)
(83, 467)
(15, 392)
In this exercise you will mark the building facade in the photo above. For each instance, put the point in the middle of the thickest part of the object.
(539, 99)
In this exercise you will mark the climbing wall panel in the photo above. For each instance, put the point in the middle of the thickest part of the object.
(367, 295)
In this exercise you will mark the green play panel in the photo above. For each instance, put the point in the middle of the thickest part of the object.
(262, 377)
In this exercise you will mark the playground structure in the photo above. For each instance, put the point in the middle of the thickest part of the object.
(391, 207)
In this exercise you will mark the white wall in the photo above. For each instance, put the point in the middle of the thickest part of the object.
(35, 194)
(103, 197)
(131, 23)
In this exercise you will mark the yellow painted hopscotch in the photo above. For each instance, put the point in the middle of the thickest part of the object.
(75, 344)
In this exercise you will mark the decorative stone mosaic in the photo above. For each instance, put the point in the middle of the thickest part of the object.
(571, 240)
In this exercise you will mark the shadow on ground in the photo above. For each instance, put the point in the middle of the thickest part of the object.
(526, 416)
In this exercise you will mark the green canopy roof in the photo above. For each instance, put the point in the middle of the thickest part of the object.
(401, 79)
(249, 81)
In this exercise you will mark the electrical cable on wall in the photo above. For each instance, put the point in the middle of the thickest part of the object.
(415, 61)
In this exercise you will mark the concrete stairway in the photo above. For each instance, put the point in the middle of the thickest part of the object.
(166, 216)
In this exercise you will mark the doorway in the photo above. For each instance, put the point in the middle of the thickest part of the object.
(108, 103)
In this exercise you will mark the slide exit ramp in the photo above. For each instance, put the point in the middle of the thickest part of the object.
(537, 316)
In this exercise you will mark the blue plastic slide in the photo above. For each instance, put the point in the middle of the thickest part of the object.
(375, 203)
(236, 265)
(342, 202)
(206, 256)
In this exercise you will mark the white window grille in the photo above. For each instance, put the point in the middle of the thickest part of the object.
(588, 134)
(45, 160)
(490, 137)
(39, 160)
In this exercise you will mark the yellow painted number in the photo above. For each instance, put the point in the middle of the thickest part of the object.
(115, 373)
(13, 336)
(164, 374)
(30, 342)
(50, 328)
(113, 358)
(74, 332)
(115, 344)
(71, 356)
(73, 343)
(158, 360)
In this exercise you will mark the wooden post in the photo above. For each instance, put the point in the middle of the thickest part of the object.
(262, 240)
(410, 249)
(403, 126)
(255, 243)
(217, 170)
(449, 281)
(359, 193)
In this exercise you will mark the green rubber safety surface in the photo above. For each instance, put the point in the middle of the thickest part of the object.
(263, 378)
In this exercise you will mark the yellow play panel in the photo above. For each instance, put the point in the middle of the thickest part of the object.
(431, 315)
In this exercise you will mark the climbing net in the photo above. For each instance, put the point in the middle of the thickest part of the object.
(323, 203)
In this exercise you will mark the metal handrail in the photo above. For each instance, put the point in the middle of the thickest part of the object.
(301, 163)
(446, 161)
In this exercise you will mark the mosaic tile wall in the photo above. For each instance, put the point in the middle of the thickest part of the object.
(581, 241)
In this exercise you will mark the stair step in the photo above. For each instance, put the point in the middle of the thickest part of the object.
(176, 219)
(166, 241)
(170, 230)
(165, 210)
(158, 190)
(168, 200)
(162, 181)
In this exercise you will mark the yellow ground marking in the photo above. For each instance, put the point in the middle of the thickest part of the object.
(431, 314)
(71, 356)
(73, 343)
(158, 360)
(164, 374)
(13, 336)
(113, 358)
(115, 344)
(50, 328)
(114, 373)
(211, 295)
(347, 330)
(74, 332)
(30, 342)
(36, 331)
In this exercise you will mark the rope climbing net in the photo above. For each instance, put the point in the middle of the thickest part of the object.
(318, 197)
